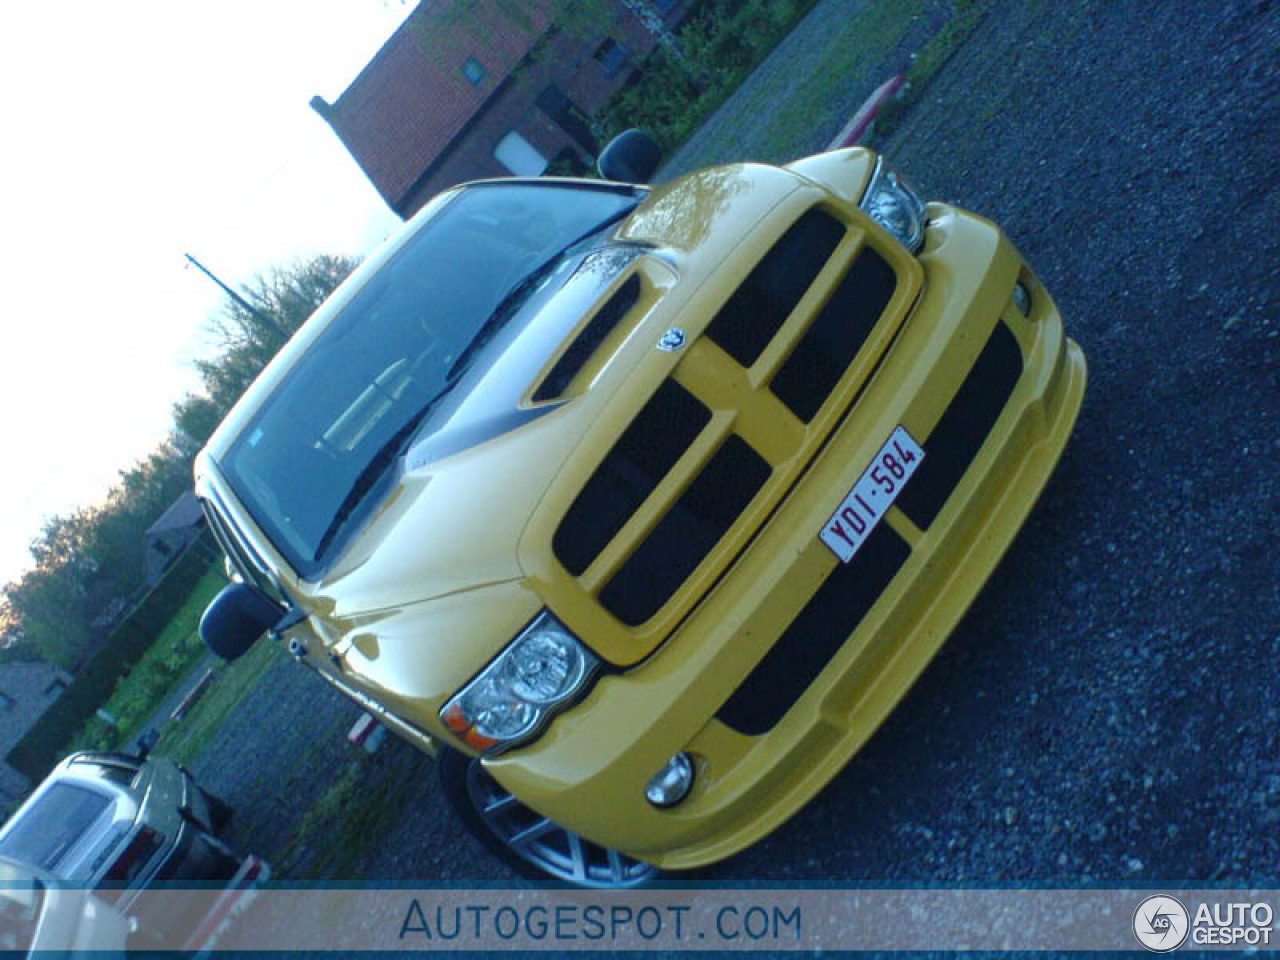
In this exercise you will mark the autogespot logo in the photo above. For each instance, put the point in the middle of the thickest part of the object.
(1161, 923)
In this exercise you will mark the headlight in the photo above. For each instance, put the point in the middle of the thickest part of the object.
(524, 686)
(894, 204)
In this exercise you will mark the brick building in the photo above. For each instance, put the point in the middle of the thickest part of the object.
(486, 88)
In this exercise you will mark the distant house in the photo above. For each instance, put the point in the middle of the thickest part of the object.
(486, 88)
(27, 690)
(165, 539)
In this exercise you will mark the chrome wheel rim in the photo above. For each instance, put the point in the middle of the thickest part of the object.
(544, 844)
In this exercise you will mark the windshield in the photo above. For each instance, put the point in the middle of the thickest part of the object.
(44, 832)
(323, 443)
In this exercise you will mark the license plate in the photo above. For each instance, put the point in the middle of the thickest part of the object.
(873, 495)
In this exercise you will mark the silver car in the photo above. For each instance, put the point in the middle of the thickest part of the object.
(118, 824)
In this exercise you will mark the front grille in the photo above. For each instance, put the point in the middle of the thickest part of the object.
(588, 341)
(680, 541)
(805, 647)
(964, 426)
(643, 455)
(815, 301)
(836, 335)
(748, 321)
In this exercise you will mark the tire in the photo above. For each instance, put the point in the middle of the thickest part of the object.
(225, 862)
(210, 857)
(220, 812)
(526, 841)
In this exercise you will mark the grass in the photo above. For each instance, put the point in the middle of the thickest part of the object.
(232, 682)
(353, 814)
(966, 17)
(774, 119)
(148, 682)
(862, 39)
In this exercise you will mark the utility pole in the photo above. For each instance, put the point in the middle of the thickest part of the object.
(253, 311)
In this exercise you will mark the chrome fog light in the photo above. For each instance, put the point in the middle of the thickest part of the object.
(671, 784)
(1022, 299)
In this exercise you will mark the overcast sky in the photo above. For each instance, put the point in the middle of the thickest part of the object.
(134, 132)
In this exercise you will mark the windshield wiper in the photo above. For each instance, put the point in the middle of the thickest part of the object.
(513, 299)
(373, 471)
(507, 306)
(397, 442)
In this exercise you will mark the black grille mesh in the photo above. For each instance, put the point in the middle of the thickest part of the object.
(643, 455)
(964, 426)
(747, 322)
(805, 647)
(688, 532)
(836, 335)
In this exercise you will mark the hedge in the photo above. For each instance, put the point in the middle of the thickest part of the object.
(38, 751)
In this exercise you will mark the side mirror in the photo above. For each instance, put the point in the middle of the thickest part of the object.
(631, 157)
(236, 618)
(147, 742)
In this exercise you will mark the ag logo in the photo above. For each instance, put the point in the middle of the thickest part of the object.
(1161, 923)
(672, 340)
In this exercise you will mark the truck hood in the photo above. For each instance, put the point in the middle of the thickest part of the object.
(455, 520)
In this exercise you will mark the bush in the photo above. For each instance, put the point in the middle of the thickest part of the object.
(722, 41)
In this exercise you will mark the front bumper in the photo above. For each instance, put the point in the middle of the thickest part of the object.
(588, 771)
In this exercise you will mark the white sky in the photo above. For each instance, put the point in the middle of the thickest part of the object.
(133, 132)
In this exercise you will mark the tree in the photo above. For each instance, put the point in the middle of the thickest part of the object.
(91, 558)
(653, 22)
(49, 605)
(195, 417)
(278, 303)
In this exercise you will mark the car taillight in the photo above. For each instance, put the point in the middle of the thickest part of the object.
(129, 864)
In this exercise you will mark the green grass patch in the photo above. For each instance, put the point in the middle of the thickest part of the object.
(861, 40)
(965, 18)
(148, 682)
(353, 814)
(185, 741)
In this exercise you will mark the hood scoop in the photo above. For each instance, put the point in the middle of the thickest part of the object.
(590, 337)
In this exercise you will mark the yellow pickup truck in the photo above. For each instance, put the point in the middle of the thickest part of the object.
(641, 506)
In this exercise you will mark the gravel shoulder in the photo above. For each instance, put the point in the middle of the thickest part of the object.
(1107, 714)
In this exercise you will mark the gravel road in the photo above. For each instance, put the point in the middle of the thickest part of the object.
(1107, 713)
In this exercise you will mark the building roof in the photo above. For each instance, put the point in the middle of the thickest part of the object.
(414, 97)
(26, 676)
(26, 690)
(164, 540)
(184, 514)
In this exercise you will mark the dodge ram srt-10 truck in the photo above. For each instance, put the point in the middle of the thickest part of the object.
(641, 506)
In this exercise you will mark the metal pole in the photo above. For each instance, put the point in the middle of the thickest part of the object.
(253, 311)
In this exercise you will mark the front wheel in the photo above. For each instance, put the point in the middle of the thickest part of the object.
(529, 842)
